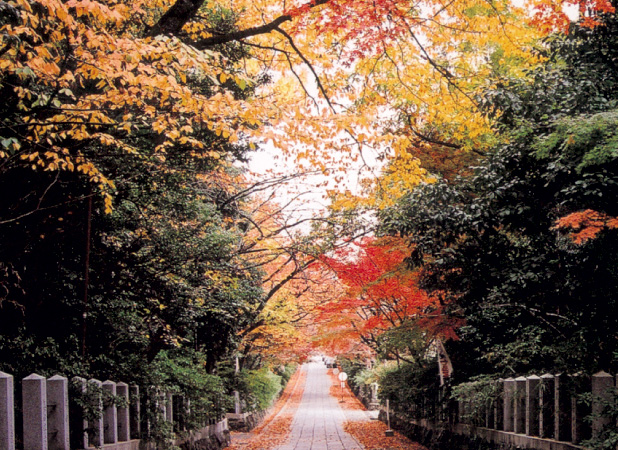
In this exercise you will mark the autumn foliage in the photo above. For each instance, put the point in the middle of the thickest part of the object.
(380, 293)
(586, 225)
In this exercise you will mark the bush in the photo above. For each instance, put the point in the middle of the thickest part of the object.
(184, 373)
(286, 372)
(411, 388)
(260, 388)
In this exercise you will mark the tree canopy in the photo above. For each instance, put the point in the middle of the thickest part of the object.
(135, 244)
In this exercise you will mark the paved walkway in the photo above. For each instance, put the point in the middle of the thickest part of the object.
(318, 423)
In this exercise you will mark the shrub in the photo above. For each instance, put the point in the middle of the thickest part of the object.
(260, 388)
(413, 389)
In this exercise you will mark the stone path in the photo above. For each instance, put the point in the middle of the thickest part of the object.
(318, 423)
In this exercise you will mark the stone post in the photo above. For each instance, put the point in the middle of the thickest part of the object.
(110, 415)
(97, 422)
(34, 398)
(375, 401)
(169, 408)
(7, 412)
(546, 406)
(562, 409)
(532, 405)
(58, 413)
(77, 421)
(519, 410)
(602, 383)
(499, 406)
(237, 405)
(134, 407)
(580, 430)
(509, 394)
(122, 391)
(160, 403)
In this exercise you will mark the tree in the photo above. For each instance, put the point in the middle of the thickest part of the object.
(193, 64)
(531, 298)
(381, 304)
(93, 111)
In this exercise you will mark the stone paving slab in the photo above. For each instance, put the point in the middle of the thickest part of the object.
(318, 423)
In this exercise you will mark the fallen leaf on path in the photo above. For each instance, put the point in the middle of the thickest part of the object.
(371, 435)
(276, 427)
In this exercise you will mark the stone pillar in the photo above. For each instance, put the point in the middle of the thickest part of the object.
(532, 405)
(134, 408)
(34, 400)
(562, 409)
(374, 402)
(7, 412)
(169, 408)
(580, 430)
(77, 421)
(58, 413)
(160, 400)
(96, 425)
(546, 406)
(122, 391)
(499, 406)
(110, 415)
(509, 394)
(602, 383)
(237, 405)
(519, 403)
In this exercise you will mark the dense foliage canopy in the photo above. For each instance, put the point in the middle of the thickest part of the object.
(511, 247)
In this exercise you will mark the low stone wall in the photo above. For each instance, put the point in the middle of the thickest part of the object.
(246, 421)
(213, 437)
(367, 395)
(443, 436)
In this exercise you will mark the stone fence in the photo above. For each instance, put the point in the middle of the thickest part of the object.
(548, 412)
(546, 407)
(106, 416)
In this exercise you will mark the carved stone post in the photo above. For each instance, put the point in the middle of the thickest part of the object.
(546, 405)
(58, 413)
(34, 398)
(562, 409)
(169, 408)
(97, 422)
(134, 408)
(110, 415)
(580, 430)
(499, 406)
(519, 410)
(122, 391)
(602, 383)
(77, 420)
(7, 412)
(532, 405)
(509, 394)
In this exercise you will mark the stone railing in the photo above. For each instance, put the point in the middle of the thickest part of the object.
(544, 407)
(535, 412)
(53, 421)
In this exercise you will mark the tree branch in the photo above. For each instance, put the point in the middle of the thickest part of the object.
(184, 10)
(308, 63)
(175, 18)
